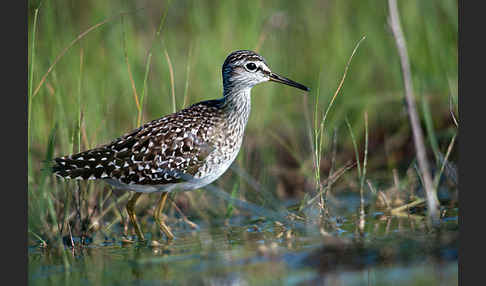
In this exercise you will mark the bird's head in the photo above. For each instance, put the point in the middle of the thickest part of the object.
(245, 69)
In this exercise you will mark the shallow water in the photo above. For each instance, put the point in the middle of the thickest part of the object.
(261, 251)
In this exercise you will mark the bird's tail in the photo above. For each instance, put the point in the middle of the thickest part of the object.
(88, 165)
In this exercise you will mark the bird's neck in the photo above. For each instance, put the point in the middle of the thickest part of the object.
(237, 104)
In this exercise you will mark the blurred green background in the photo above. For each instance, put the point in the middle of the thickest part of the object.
(307, 41)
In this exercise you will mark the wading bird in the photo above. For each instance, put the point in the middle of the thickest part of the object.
(182, 151)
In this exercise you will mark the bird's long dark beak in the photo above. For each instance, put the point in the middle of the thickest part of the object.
(278, 78)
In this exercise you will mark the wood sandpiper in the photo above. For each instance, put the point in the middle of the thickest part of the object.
(181, 151)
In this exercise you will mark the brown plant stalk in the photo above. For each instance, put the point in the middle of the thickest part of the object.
(432, 201)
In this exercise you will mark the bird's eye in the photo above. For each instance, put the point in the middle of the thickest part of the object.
(251, 66)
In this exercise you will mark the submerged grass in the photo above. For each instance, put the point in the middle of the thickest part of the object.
(91, 97)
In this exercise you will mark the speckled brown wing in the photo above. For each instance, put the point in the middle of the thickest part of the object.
(159, 152)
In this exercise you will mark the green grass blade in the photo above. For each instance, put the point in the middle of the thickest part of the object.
(230, 208)
(355, 145)
(31, 77)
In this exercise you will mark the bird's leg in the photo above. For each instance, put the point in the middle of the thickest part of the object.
(157, 216)
(131, 215)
